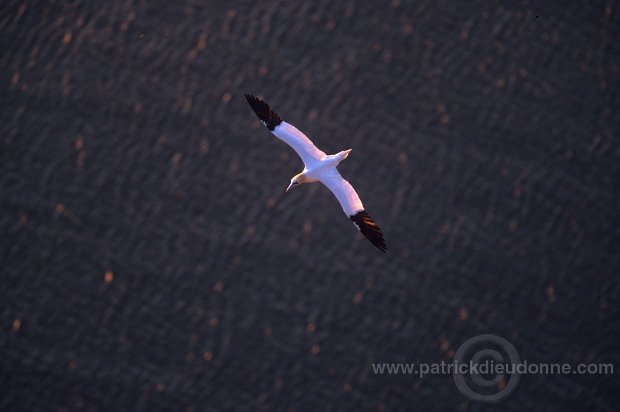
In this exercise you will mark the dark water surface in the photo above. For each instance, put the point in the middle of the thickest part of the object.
(150, 259)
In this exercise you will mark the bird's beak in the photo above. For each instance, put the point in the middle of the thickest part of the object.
(289, 186)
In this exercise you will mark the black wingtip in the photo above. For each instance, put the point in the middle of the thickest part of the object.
(264, 112)
(369, 229)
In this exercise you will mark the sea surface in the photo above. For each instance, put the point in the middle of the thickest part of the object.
(151, 260)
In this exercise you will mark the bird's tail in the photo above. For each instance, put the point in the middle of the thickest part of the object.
(343, 155)
(335, 159)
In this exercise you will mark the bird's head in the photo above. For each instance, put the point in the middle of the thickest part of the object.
(296, 181)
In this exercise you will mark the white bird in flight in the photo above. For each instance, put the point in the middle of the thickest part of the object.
(320, 167)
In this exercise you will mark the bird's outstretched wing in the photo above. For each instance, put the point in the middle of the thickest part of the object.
(304, 147)
(353, 207)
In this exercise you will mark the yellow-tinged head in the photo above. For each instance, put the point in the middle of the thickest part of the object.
(297, 180)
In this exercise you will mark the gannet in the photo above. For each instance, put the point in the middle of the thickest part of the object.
(320, 167)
